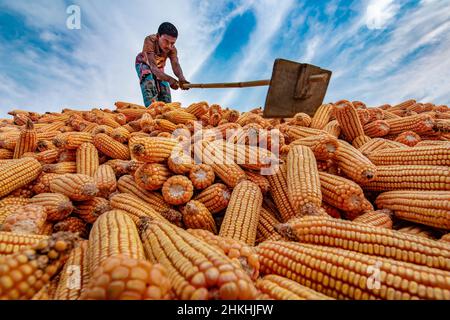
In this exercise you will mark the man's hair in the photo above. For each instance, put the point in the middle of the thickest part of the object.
(169, 29)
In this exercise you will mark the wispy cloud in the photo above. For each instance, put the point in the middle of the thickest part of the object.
(380, 12)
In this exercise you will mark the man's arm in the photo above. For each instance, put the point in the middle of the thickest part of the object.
(177, 68)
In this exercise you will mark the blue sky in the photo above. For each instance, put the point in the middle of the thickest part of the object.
(380, 51)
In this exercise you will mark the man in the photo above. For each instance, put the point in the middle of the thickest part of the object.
(150, 63)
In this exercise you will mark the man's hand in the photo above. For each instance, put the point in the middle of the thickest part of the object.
(174, 84)
(183, 81)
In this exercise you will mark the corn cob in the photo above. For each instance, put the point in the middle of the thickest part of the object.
(224, 168)
(42, 183)
(173, 216)
(126, 184)
(153, 150)
(108, 121)
(417, 230)
(57, 206)
(28, 219)
(421, 123)
(296, 132)
(301, 119)
(424, 143)
(72, 224)
(10, 142)
(331, 211)
(360, 141)
(445, 238)
(47, 135)
(72, 278)
(242, 215)
(102, 129)
(111, 147)
(348, 119)
(151, 176)
(120, 134)
(363, 115)
(27, 141)
(105, 178)
(442, 125)
(6, 154)
(134, 207)
(344, 274)
(425, 207)
(375, 114)
(303, 180)
(87, 159)
(60, 167)
(122, 105)
(46, 229)
(437, 155)
(180, 163)
(77, 187)
(323, 146)
(17, 174)
(47, 157)
(7, 210)
(24, 192)
(216, 197)
(378, 218)
(177, 190)
(281, 288)
(279, 192)
(408, 138)
(341, 193)
(12, 242)
(123, 278)
(250, 157)
(113, 233)
(198, 109)
(90, 210)
(266, 225)
(179, 116)
(196, 269)
(201, 176)
(322, 116)
(377, 144)
(354, 164)
(163, 125)
(410, 177)
(24, 273)
(333, 128)
(369, 240)
(258, 179)
(244, 255)
(197, 216)
(14, 201)
(44, 145)
(120, 167)
(71, 140)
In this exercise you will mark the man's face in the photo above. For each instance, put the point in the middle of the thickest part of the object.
(166, 42)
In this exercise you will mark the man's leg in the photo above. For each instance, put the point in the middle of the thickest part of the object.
(164, 93)
(149, 90)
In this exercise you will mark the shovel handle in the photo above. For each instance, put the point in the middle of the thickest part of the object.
(256, 83)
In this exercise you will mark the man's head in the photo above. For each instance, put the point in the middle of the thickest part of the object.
(168, 35)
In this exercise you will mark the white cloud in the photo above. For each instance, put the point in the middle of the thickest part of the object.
(379, 13)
